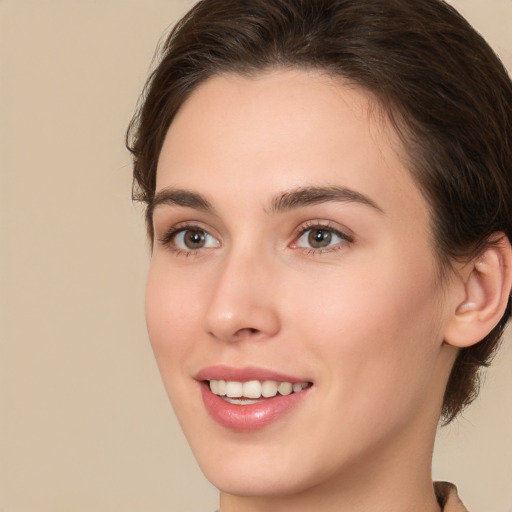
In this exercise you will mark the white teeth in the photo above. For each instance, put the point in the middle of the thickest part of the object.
(222, 387)
(234, 389)
(269, 388)
(299, 386)
(253, 389)
(241, 401)
(285, 388)
(214, 386)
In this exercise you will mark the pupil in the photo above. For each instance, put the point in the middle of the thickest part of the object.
(319, 238)
(194, 239)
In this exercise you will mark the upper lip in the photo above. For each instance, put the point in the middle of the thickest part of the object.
(244, 374)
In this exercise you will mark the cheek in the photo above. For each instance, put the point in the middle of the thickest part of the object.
(170, 315)
(378, 336)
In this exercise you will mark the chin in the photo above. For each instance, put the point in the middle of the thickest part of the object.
(255, 483)
(248, 468)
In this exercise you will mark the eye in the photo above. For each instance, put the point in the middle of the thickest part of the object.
(319, 237)
(189, 239)
(193, 238)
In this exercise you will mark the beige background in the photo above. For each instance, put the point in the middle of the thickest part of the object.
(84, 421)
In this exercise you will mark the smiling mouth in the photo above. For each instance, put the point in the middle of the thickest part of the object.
(253, 391)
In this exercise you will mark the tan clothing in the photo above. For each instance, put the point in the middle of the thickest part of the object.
(448, 498)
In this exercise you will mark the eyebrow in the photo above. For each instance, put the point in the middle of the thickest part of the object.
(179, 197)
(289, 200)
(316, 195)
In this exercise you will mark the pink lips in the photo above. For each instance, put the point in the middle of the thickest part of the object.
(246, 417)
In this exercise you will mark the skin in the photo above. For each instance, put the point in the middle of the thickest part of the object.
(363, 318)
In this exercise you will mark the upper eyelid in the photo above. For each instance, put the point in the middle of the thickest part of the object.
(168, 234)
(162, 212)
(167, 226)
(345, 232)
(164, 216)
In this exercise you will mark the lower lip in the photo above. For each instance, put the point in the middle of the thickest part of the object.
(249, 417)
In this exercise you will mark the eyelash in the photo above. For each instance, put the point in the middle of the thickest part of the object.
(169, 236)
(324, 226)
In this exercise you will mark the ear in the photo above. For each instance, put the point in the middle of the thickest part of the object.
(485, 285)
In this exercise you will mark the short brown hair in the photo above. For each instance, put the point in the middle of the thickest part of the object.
(444, 89)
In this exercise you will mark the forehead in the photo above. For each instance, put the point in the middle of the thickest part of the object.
(264, 134)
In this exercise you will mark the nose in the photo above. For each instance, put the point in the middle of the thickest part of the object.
(242, 304)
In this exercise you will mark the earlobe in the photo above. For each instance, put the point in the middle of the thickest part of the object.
(487, 283)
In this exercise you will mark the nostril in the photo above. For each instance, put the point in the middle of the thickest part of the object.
(246, 331)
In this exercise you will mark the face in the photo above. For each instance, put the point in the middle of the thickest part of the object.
(293, 272)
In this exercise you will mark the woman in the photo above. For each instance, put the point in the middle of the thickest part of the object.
(329, 203)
